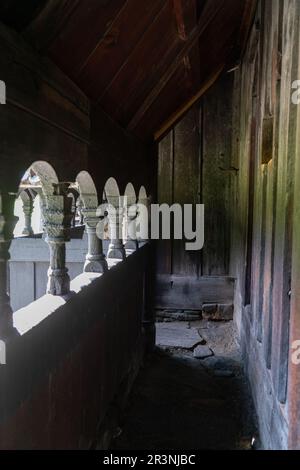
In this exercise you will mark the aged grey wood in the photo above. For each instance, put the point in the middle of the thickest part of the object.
(184, 292)
(7, 225)
(216, 176)
(165, 195)
(186, 182)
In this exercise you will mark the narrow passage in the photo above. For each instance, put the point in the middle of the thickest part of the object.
(191, 393)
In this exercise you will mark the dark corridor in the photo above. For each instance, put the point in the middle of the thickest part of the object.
(183, 402)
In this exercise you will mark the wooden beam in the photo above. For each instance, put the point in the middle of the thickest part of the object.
(103, 40)
(178, 11)
(246, 25)
(175, 117)
(187, 292)
(205, 20)
(50, 22)
(128, 57)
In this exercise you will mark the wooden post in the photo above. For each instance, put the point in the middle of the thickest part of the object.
(28, 210)
(95, 259)
(7, 225)
(129, 220)
(116, 248)
(57, 219)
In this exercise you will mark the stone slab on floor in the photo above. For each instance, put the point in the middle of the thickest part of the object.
(222, 366)
(202, 352)
(177, 335)
(220, 337)
(176, 404)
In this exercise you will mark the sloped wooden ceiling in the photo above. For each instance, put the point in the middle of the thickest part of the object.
(143, 61)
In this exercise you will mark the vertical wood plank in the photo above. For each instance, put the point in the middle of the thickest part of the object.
(273, 105)
(283, 236)
(165, 195)
(186, 184)
(294, 368)
(217, 121)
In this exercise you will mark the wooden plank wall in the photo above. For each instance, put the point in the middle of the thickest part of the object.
(195, 167)
(47, 117)
(265, 218)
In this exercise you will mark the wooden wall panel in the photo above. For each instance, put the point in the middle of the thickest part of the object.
(216, 176)
(26, 138)
(268, 324)
(186, 181)
(294, 368)
(46, 116)
(195, 167)
(165, 195)
(285, 187)
(184, 292)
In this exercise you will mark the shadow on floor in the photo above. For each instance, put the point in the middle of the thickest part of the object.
(180, 402)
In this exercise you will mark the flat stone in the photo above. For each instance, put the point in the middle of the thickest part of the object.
(225, 312)
(217, 312)
(177, 335)
(172, 310)
(221, 366)
(221, 338)
(193, 313)
(179, 315)
(209, 308)
(209, 311)
(202, 352)
(223, 373)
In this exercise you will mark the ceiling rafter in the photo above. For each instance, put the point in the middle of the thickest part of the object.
(102, 40)
(144, 62)
(179, 113)
(41, 31)
(178, 12)
(206, 18)
(117, 74)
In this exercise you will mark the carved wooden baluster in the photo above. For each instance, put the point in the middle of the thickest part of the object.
(95, 259)
(27, 210)
(7, 224)
(130, 241)
(143, 219)
(116, 248)
(57, 217)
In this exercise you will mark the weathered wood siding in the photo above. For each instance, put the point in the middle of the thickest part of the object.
(264, 255)
(47, 117)
(195, 167)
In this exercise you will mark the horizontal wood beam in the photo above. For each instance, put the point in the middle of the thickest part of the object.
(181, 292)
(206, 18)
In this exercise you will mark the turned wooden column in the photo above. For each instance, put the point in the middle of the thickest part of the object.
(27, 210)
(7, 224)
(95, 260)
(143, 219)
(116, 248)
(57, 217)
(130, 237)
